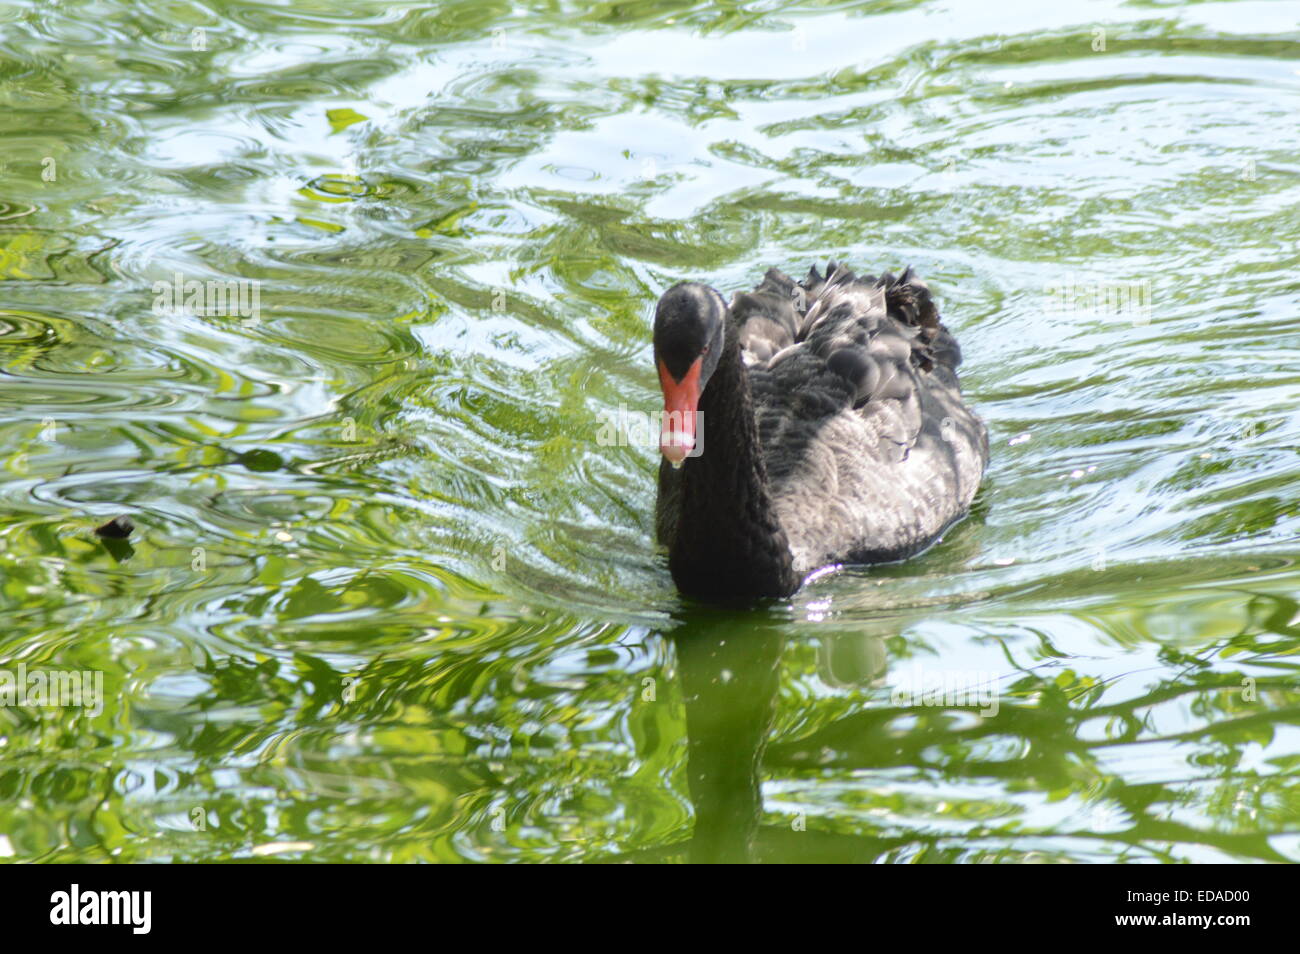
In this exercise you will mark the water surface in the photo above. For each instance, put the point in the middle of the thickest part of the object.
(391, 598)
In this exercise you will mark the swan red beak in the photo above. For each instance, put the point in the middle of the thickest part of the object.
(681, 407)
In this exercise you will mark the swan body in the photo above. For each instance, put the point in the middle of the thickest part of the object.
(824, 424)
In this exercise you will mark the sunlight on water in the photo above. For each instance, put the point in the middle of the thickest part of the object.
(389, 597)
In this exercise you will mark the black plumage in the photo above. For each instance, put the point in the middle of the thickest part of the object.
(833, 430)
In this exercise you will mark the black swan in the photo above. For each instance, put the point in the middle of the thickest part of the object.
(805, 425)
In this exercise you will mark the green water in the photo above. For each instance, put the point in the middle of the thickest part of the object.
(390, 596)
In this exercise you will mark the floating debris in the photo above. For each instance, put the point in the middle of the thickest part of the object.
(119, 528)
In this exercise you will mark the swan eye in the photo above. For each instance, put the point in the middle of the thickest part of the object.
(706, 349)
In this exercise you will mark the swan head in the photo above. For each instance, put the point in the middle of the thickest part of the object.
(690, 327)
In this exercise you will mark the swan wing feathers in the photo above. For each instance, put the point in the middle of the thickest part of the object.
(767, 318)
(867, 443)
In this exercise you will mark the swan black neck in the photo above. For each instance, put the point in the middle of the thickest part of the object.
(728, 542)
